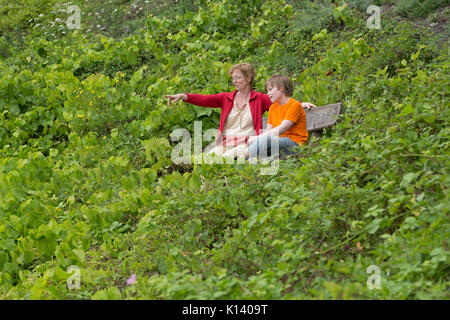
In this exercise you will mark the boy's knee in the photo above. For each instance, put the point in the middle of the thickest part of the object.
(253, 149)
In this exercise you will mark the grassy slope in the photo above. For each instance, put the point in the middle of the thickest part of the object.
(372, 193)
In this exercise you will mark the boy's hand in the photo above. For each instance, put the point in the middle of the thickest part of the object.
(251, 139)
(308, 105)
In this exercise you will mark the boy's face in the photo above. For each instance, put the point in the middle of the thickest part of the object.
(274, 93)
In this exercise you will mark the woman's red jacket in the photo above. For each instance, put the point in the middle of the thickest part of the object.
(259, 103)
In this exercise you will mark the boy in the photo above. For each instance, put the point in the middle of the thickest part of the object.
(286, 125)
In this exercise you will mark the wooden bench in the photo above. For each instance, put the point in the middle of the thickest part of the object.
(318, 119)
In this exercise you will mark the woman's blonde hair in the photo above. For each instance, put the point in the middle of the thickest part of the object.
(247, 70)
(281, 82)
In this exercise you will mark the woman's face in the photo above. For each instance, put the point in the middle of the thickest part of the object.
(239, 81)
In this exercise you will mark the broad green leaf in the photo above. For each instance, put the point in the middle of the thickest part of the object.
(80, 255)
(373, 226)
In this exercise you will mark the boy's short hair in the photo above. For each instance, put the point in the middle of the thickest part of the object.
(281, 82)
(247, 70)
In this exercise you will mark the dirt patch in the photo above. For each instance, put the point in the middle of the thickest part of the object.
(435, 24)
(388, 9)
(440, 23)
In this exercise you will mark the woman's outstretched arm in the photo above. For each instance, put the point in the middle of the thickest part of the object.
(202, 100)
(175, 97)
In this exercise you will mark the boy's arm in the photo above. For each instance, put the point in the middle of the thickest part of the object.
(285, 125)
(253, 138)
(282, 128)
(293, 115)
(277, 131)
(308, 105)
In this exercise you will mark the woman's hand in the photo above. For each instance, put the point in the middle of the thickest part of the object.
(175, 98)
(308, 105)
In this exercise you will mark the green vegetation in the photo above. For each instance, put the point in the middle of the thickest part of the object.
(86, 177)
(416, 8)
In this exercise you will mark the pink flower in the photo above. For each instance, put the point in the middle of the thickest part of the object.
(131, 279)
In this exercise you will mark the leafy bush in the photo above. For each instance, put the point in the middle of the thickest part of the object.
(416, 8)
(87, 180)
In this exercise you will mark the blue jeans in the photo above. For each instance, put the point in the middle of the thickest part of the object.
(265, 146)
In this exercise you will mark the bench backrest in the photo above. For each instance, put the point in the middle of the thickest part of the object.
(319, 118)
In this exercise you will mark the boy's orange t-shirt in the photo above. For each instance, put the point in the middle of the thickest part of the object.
(292, 110)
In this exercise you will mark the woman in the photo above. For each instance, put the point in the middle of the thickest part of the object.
(242, 111)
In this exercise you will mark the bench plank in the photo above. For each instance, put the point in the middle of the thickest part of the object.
(319, 118)
(322, 117)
